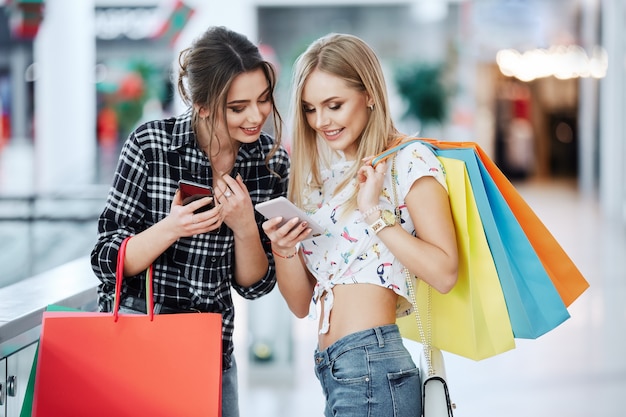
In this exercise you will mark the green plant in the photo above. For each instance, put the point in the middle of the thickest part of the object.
(422, 87)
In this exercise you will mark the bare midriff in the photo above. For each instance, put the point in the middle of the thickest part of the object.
(358, 307)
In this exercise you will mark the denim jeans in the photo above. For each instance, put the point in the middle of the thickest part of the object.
(369, 374)
(230, 391)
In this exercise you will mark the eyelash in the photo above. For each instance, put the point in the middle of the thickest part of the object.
(241, 109)
(331, 107)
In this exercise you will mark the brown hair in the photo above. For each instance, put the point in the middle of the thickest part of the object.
(207, 70)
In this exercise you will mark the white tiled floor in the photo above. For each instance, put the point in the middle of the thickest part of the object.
(576, 370)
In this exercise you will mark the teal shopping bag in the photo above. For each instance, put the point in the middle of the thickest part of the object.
(534, 304)
(27, 405)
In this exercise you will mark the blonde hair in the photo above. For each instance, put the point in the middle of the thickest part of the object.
(351, 59)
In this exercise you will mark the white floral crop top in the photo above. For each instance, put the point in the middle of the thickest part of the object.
(349, 252)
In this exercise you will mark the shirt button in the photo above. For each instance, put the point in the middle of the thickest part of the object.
(318, 360)
(214, 259)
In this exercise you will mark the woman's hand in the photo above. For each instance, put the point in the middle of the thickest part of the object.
(188, 223)
(370, 182)
(286, 237)
(234, 198)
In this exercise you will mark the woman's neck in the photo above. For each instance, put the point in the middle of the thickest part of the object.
(222, 154)
(221, 151)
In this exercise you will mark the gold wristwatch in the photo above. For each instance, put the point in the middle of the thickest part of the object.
(387, 218)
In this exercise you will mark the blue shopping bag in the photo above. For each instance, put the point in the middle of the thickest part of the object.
(534, 304)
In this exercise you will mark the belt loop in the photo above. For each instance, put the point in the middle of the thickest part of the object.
(379, 336)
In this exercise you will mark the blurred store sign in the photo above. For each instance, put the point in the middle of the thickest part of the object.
(164, 22)
(562, 62)
(25, 17)
(132, 23)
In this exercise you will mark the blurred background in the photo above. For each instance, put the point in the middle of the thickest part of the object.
(538, 84)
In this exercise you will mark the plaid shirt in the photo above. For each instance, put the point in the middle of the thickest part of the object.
(195, 272)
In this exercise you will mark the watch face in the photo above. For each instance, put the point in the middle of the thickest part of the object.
(388, 217)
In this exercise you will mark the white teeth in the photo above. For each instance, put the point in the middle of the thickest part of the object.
(334, 132)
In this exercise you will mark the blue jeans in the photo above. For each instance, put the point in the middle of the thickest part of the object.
(230, 392)
(369, 374)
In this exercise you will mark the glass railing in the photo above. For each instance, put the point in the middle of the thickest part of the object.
(40, 232)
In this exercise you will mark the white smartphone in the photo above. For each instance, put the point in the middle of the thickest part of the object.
(281, 207)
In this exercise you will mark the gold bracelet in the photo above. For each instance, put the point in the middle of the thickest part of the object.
(284, 257)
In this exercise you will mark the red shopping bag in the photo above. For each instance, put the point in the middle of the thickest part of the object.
(107, 364)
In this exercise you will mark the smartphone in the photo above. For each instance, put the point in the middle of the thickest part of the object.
(192, 191)
(281, 207)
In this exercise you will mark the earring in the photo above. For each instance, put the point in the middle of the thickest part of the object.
(371, 107)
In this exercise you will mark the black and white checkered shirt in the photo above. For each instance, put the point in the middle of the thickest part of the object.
(196, 272)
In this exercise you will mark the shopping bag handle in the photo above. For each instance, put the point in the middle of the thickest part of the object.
(119, 277)
(398, 144)
(403, 141)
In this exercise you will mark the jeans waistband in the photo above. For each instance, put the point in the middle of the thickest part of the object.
(139, 304)
(378, 335)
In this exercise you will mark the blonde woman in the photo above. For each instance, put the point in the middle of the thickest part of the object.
(352, 276)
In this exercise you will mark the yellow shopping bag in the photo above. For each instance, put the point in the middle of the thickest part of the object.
(472, 320)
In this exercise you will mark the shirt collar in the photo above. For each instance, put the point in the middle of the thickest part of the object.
(183, 134)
